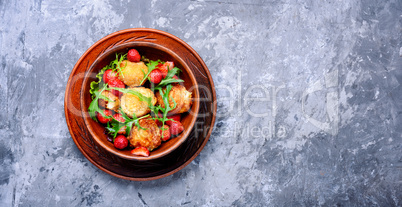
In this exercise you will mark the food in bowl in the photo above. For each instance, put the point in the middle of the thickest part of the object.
(139, 101)
(179, 93)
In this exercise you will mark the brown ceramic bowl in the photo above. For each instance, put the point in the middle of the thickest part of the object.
(89, 136)
(152, 51)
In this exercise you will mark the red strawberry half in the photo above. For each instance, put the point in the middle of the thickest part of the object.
(140, 151)
(176, 128)
(119, 117)
(164, 68)
(165, 133)
(175, 117)
(116, 83)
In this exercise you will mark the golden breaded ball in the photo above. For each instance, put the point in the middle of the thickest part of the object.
(182, 97)
(131, 104)
(113, 103)
(132, 72)
(149, 138)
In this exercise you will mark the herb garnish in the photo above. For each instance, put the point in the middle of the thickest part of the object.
(94, 106)
(151, 66)
(165, 98)
(169, 79)
(114, 65)
(115, 125)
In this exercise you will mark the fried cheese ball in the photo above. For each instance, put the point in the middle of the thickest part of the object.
(113, 103)
(182, 97)
(132, 72)
(149, 138)
(131, 104)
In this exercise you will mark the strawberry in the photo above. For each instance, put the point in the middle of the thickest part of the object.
(159, 123)
(169, 65)
(102, 119)
(155, 76)
(161, 67)
(119, 117)
(133, 55)
(117, 83)
(175, 117)
(140, 151)
(176, 128)
(165, 133)
(109, 75)
(120, 142)
(165, 67)
(122, 130)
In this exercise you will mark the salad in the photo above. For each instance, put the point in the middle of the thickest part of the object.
(139, 101)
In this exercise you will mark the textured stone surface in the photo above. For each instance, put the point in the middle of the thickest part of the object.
(324, 127)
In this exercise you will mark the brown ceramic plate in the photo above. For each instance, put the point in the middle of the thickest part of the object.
(185, 149)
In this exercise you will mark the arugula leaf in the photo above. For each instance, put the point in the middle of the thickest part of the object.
(165, 98)
(144, 59)
(112, 130)
(165, 82)
(169, 79)
(136, 93)
(93, 106)
(115, 64)
(115, 126)
(172, 72)
(131, 121)
(151, 66)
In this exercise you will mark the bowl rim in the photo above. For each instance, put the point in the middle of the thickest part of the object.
(182, 137)
(71, 109)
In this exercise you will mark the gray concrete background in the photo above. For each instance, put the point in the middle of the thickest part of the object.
(325, 129)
